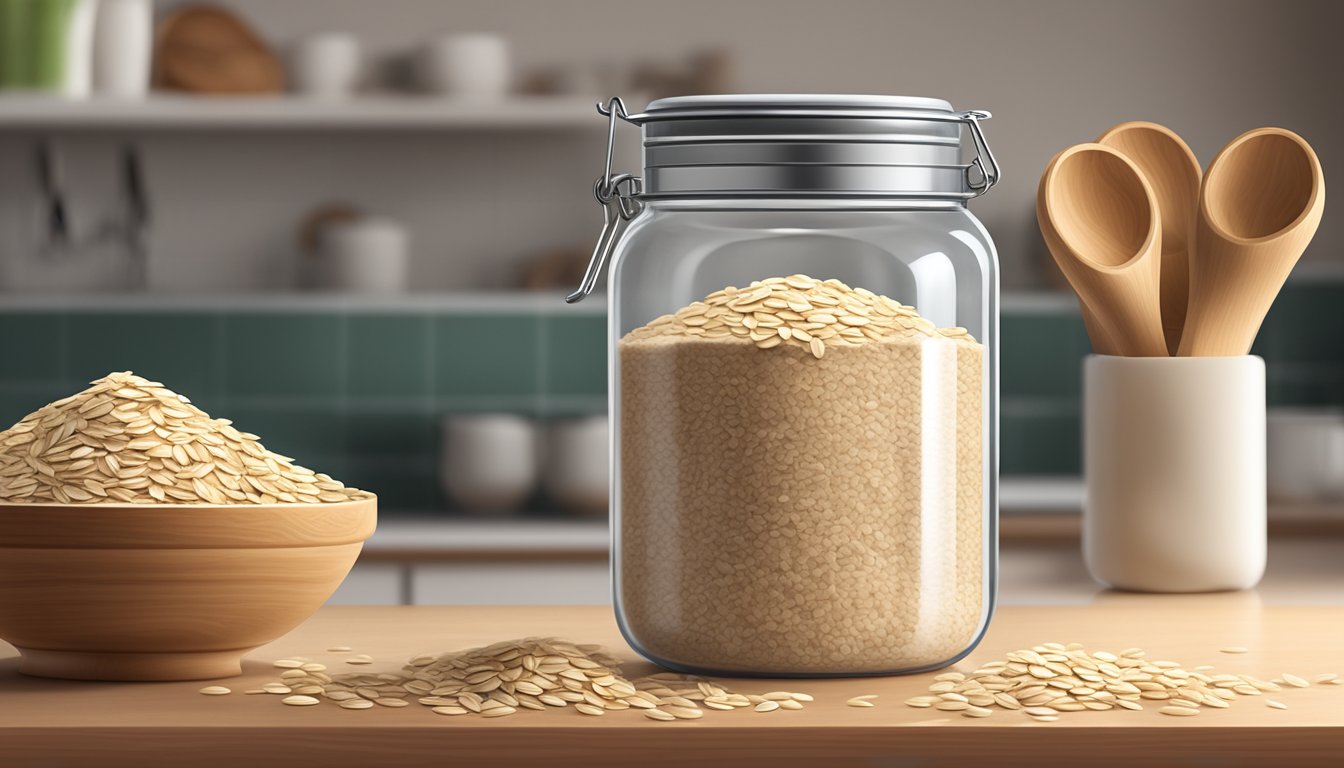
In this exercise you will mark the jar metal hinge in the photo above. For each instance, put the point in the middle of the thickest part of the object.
(619, 197)
(984, 166)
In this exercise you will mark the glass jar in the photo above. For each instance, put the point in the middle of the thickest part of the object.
(804, 357)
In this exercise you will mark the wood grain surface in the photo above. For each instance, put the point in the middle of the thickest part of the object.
(48, 722)
(185, 526)
(166, 592)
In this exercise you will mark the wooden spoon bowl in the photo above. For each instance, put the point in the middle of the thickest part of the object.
(1174, 174)
(1100, 220)
(1260, 205)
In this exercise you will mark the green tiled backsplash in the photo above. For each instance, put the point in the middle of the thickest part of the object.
(358, 394)
(1302, 342)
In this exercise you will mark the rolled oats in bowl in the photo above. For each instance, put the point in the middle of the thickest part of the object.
(130, 440)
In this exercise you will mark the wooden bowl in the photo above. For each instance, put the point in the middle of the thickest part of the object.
(166, 591)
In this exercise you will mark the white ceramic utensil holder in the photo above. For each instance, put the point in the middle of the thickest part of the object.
(1174, 460)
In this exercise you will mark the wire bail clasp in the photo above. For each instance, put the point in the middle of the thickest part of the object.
(619, 197)
(984, 166)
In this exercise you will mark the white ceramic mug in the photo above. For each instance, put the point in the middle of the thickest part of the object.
(325, 65)
(1306, 453)
(367, 255)
(578, 471)
(1174, 461)
(474, 66)
(490, 460)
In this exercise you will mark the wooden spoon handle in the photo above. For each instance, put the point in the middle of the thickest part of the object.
(1097, 333)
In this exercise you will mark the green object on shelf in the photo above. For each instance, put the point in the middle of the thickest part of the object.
(15, 32)
(48, 21)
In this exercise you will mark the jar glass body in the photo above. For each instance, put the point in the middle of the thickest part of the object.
(783, 514)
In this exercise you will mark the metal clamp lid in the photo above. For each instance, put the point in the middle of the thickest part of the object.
(622, 195)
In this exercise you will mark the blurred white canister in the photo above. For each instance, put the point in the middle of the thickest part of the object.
(490, 461)
(578, 465)
(123, 38)
(367, 254)
(1306, 453)
(1174, 461)
(472, 66)
(325, 65)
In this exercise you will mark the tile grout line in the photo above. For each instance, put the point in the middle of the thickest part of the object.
(431, 358)
(343, 358)
(220, 333)
(63, 372)
(543, 361)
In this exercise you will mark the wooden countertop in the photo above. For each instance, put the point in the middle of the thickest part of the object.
(48, 722)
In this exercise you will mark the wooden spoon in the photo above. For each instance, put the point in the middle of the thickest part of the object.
(1174, 174)
(1100, 220)
(1259, 207)
(1102, 343)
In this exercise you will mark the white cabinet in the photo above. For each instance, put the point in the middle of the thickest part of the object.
(372, 584)
(544, 582)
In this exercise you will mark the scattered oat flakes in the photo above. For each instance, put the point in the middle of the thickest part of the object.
(1294, 680)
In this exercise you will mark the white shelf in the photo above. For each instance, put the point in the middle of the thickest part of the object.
(486, 535)
(1038, 303)
(173, 112)
(1038, 494)
(424, 532)
(476, 302)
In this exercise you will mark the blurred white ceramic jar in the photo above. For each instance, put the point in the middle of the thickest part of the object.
(122, 41)
(474, 66)
(489, 461)
(1305, 453)
(325, 65)
(578, 467)
(365, 255)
